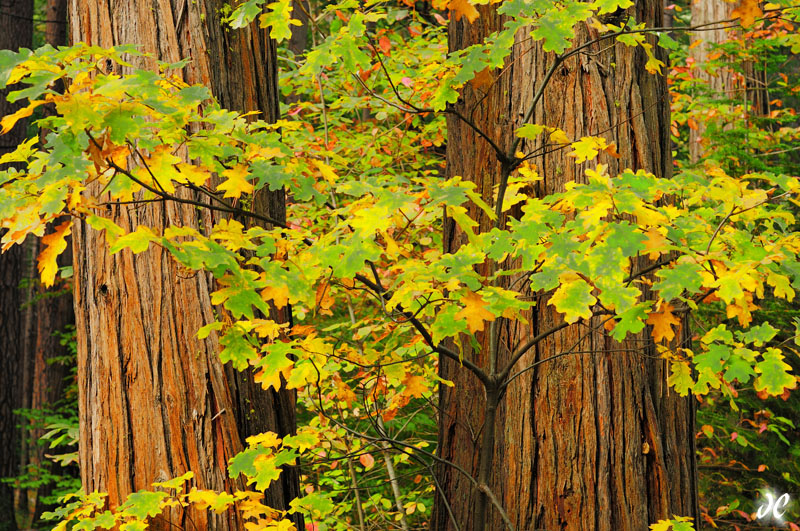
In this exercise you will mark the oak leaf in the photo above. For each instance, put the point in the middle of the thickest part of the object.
(747, 12)
(462, 8)
(474, 312)
(663, 320)
(415, 386)
(54, 243)
(279, 295)
(236, 183)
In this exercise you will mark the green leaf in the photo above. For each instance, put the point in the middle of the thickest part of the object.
(631, 321)
(446, 325)
(143, 504)
(680, 377)
(137, 241)
(316, 503)
(677, 279)
(738, 369)
(775, 374)
(245, 13)
(574, 299)
(758, 335)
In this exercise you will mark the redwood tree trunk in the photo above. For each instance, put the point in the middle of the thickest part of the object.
(154, 400)
(16, 31)
(593, 440)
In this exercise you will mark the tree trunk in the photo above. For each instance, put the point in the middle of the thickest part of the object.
(593, 440)
(55, 29)
(154, 400)
(723, 83)
(16, 31)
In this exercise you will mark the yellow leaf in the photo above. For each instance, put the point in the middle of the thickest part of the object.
(237, 183)
(474, 311)
(281, 525)
(22, 152)
(8, 122)
(587, 148)
(161, 164)
(267, 439)
(747, 12)
(326, 171)
(559, 136)
(462, 8)
(663, 321)
(741, 309)
(267, 328)
(55, 244)
(194, 174)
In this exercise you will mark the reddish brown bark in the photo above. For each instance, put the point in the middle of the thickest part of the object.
(592, 440)
(154, 400)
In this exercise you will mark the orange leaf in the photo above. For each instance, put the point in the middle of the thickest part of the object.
(462, 8)
(385, 44)
(662, 321)
(611, 149)
(655, 243)
(415, 386)
(483, 79)
(279, 295)
(474, 312)
(55, 244)
(747, 12)
(324, 300)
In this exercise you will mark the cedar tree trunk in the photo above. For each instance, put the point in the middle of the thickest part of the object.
(593, 440)
(154, 400)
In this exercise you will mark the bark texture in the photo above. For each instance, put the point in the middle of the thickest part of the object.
(12, 356)
(154, 400)
(593, 440)
(723, 83)
(16, 31)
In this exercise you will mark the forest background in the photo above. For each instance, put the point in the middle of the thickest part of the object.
(496, 264)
